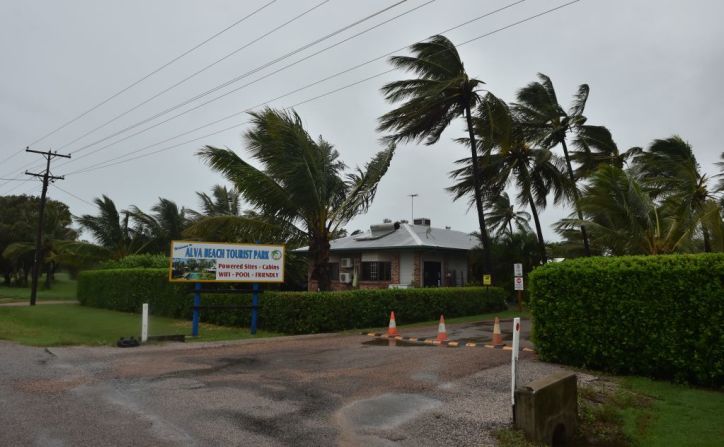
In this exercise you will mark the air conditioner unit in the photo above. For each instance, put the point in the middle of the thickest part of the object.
(346, 263)
(345, 278)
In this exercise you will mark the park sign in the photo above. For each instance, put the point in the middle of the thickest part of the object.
(222, 262)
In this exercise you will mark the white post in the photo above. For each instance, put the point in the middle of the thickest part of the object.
(514, 359)
(144, 323)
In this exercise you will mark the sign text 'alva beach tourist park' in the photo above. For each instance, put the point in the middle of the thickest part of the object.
(222, 262)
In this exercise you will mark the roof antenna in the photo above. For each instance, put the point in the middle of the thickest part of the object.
(412, 206)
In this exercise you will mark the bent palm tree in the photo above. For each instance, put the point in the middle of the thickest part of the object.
(111, 230)
(670, 171)
(165, 224)
(625, 219)
(222, 202)
(510, 159)
(539, 110)
(302, 188)
(502, 216)
(595, 147)
(442, 92)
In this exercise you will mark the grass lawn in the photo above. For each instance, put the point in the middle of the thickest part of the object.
(673, 415)
(72, 324)
(63, 288)
(635, 411)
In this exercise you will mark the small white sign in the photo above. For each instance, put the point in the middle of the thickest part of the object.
(518, 283)
(517, 269)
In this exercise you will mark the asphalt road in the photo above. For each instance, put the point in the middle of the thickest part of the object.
(321, 390)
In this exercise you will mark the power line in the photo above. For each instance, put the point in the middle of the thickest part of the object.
(237, 89)
(73, 195)
(192, 75)
(484, 15)
(106, 163)
(15, 179)
(236, 79)
(133, 84)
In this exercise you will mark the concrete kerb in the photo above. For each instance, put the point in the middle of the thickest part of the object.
(450, 343)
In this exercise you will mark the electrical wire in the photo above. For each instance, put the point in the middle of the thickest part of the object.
(347, 86)
(191, 76)
(244, 86)
(73, 195)
(143, 78)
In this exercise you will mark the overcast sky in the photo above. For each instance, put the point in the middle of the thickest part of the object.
(654, 68)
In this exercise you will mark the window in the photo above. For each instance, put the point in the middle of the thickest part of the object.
(333, 271)
(376, 271)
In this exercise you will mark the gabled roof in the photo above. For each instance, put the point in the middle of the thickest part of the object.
(406, 236)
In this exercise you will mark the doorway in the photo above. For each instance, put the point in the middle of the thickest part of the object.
(431, 274)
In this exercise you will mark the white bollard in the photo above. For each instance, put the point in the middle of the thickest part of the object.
(514, 359)
(144, 323)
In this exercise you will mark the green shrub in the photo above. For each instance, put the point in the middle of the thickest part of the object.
(659, 316)
(288, 312)
(148, 261)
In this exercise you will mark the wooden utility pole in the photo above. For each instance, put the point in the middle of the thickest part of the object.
(47, 178)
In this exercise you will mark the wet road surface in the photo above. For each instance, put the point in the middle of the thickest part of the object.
(320, 390)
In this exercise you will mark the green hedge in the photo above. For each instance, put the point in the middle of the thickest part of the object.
(288, 312)
(659, 316)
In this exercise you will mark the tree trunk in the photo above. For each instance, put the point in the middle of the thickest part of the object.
(48, 275)
(320, 263)
(707, 242)
(510, 225)
(538, 230)
(487, 260)
(586, 246)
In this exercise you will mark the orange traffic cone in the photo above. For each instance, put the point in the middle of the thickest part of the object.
(441, 331)
(497, 337)
(392, 328)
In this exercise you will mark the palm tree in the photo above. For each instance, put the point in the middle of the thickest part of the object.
(302, 188)
(510, 159)
(165, 224)
(595, 147)
(111, 230)
(442, 92)
(670, 172)
(502, 215)
(625, 219)
(222, 202)
(538, 108)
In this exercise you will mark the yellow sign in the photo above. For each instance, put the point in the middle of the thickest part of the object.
(487, 280)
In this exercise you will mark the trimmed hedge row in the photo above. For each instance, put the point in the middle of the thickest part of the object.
(658, 316)
(288, 312)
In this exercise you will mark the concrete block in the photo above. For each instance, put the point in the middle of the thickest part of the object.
(546, 409)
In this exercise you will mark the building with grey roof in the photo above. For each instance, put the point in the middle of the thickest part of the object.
(399, 254)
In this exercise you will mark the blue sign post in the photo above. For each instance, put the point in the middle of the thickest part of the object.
(197, 303)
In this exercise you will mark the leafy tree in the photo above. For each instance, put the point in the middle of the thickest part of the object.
(302, 189)
(18, 220)
(538, 108)
(442, 92)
